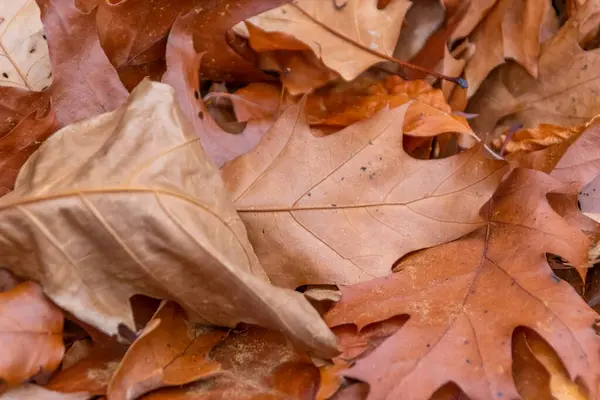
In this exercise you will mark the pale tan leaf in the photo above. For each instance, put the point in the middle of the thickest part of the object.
(24, 59)
(128, 203)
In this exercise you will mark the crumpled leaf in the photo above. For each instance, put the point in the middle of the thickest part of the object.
(255, 364)
(127, 203)
(17, 145)
(357, 22)
(24, 59)
(169, 352)
(462, 316)
(29, 321)
(343, 208)
(183, 64)
(31, 391)
(511, 30)
(92, 372)
(563, 94)
(538, 138)
(211, 22)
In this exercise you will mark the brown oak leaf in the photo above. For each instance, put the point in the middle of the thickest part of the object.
(462, 316)
(343, 208)
(169, 352)
(31, 331)
(127, 203)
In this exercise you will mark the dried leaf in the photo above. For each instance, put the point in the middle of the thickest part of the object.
(343, 208)
(332, 33)
(85, 84)
(255, 101)
(29, 321)
(183, 64)
(538, 138)
(211, 23)
(17, 145)
(24, 59)
(462, 316)
(92, 372)
(30, 391)
(134, 32)
(564, 95)
(181, 239)
(169, 352)
(255, 364)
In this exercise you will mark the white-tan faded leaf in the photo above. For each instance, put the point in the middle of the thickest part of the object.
(24, 59)
(358, 20)
(30, 391)
(128, 203)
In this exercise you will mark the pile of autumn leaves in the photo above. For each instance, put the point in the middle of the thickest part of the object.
(249, 208)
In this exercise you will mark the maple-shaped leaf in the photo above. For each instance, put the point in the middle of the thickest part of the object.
(255, 364)
(31, 331)
(128, 203)
(169, 352)
(24, 60)
(339, 35)
(18, 144)
(343, 208)
(563, 94)
(466, 298)
(183, 64)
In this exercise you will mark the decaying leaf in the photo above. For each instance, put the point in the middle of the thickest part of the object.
(538, 138)
(342, 209)
(255, 364)
(127, 203)
(183, 66)
(169, 352)
(462, 316)
(24, 60)
(18, 144)
(28, 321)
(565, 92)
(332, 32)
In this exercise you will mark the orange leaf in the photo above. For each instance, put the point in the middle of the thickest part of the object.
(169, 352)
(31, 330)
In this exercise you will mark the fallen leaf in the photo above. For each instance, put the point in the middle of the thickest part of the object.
(343, 208)
(90, 374)
(538, 138)
(511, 30)
(255, 101)
(531, 378)
(335, 35)
(211, 23)
(563, 95)
(255, 364)
(30, 391)
(169, 352)
(422, 19)
(18, 144)
(182, 239)
(134, 32)
(183, 64)
(85, 84)
(462, 316)
(331, 380)
(29, 321)
(24, 60)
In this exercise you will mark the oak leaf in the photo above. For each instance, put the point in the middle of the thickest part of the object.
(563, 94)
(169, 352)
(183, 66)
(31, 391)
(127, 203)
(343, 208)
(28, 320)
(255, 364)
(24, 60)
(333, 33)
(462, 316)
